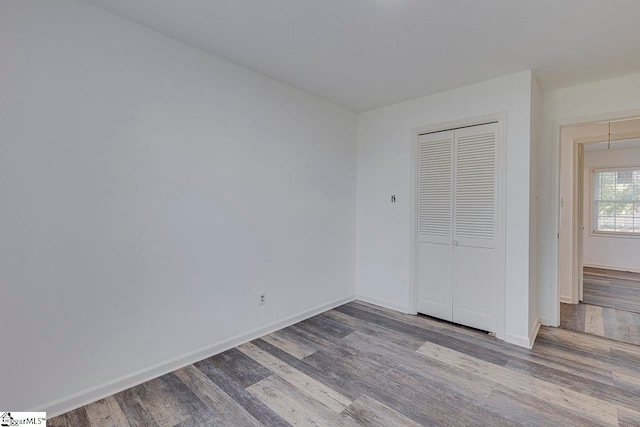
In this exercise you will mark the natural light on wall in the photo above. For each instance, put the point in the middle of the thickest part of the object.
(615, 204)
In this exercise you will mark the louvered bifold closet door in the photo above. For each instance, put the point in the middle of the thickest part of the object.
(435, 224)
(475, 225)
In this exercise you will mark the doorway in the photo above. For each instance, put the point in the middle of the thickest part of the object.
(599, 233)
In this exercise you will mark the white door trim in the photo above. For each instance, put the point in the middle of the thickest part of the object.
(501, 119)
(554, 253)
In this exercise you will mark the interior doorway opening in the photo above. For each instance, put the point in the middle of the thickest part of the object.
(599, 228)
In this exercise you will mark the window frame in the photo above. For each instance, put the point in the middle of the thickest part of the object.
(592, 211)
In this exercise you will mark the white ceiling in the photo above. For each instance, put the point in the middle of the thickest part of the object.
(364, 54)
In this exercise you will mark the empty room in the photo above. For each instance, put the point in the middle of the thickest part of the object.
(319, 212)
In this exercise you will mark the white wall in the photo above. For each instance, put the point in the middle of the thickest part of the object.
(384, 168)
(617, 252)
(608, 97)
(149, 192)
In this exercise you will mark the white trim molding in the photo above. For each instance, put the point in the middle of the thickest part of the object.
(385, 304)
(534, 333)
(523, 341)
(92, 394)
(566, 300)
(554, 153)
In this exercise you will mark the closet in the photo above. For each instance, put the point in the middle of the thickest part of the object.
(457, 222)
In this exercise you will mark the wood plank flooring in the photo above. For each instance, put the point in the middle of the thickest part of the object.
(613, 289)
(605, 322)
(362, 365)
(611, 306)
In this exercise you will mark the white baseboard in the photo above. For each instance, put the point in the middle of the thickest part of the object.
(385, 304)
(534, 333)
(92, 394)
(566, 300)
(523, 341)
(517, 340)
(612, 267)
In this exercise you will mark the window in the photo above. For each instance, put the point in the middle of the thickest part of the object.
(615, 206)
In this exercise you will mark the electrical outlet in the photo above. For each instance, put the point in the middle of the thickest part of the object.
(262, 299)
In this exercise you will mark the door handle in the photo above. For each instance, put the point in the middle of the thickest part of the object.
(455, 243)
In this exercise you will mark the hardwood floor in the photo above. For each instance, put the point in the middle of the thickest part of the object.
(605, 322)
(614, 289)
(611, 306)
(362, 365)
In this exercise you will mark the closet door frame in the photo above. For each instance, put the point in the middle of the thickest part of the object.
(501, 120)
